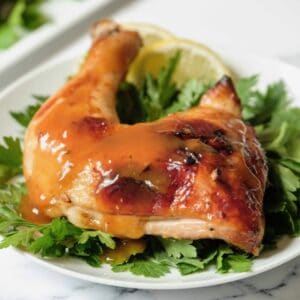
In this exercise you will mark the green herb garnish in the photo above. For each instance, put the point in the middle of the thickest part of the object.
(10, 158)
(17, 17)
(157, 97)
(56, 239)
(24, 117)
(277, 125)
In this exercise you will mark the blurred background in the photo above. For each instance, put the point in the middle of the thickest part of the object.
(34, 31)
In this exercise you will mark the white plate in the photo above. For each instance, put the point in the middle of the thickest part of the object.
(48, 78)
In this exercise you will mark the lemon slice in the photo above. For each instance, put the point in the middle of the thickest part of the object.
(149, 33)
(196, 61)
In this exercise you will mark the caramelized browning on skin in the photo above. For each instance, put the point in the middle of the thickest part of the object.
(197, 174)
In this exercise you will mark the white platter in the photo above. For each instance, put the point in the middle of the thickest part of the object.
(48, 78)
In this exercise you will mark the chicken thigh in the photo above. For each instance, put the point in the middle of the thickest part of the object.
(191, 175)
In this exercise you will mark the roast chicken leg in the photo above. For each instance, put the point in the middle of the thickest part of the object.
(192, 175)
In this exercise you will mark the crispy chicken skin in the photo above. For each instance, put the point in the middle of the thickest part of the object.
(192, 175)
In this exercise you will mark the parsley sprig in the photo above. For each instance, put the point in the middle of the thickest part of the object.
(277, 125)
(56, 239)
(158, 96)
(185, 255)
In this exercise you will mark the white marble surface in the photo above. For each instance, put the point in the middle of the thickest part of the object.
(270, 27)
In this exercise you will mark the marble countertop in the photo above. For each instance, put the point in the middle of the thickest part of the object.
(269, 27)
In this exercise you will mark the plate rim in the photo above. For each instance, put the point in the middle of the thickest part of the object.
(227, 278)
(231, 277)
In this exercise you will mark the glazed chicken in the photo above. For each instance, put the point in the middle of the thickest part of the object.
(191, 175)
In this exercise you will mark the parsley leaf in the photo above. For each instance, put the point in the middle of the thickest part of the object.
(53, 237)
(238, 262)
(178, 248)
(149, 268)
(24, 117)
(144, 267)
(191, 265)
(189, 96)
(11, 194)
(10, 197)
(158, 93)
(258, 108)
(103, 237)
(228, 261)
(10, 158)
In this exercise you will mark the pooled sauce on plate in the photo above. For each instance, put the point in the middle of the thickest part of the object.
(124, 249)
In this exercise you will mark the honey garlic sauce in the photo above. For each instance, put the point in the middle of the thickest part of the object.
(31, 213)
(164, 168)
(66, 145)
(123, 251)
